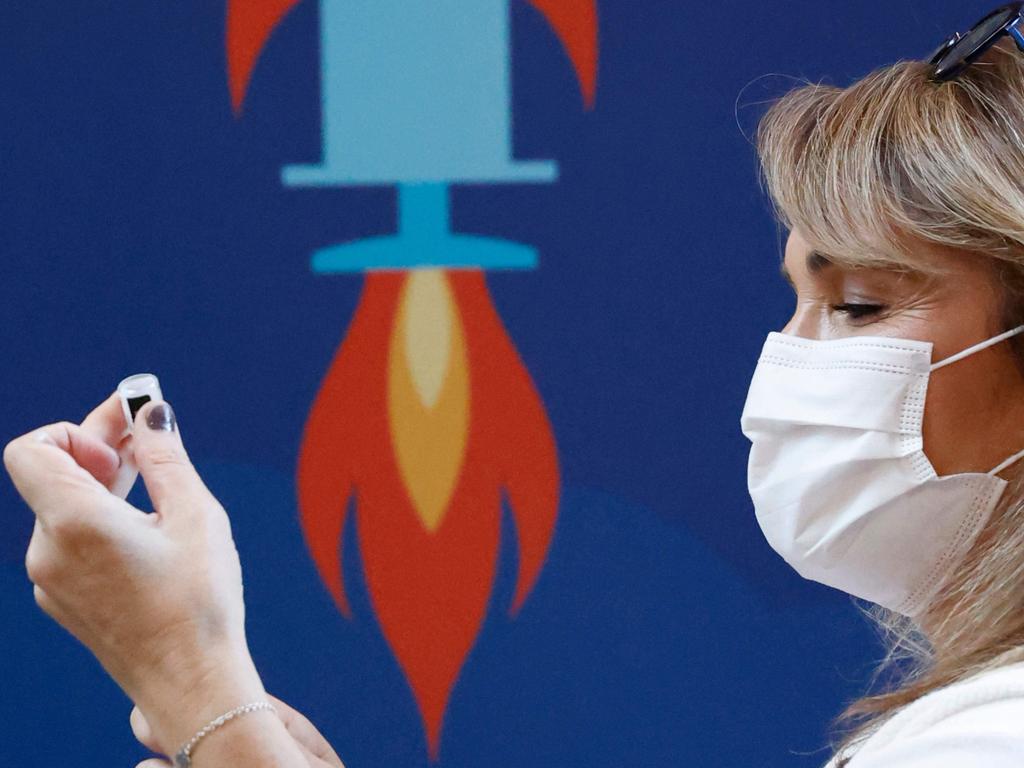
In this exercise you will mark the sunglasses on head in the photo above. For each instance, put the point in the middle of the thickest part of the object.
(961, 50)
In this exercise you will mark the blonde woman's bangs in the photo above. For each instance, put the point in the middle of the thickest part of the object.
(873, 174)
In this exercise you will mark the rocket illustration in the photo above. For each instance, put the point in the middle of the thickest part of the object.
(427, 423)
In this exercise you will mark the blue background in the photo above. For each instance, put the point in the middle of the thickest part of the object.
(144, 228)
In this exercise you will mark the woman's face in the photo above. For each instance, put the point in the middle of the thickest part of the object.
(974, 410)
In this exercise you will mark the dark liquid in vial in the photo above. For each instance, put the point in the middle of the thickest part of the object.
(134, 403)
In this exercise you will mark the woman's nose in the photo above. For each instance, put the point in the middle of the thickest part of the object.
(803, 323)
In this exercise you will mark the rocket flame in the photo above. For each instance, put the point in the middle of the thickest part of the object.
(250, 23)
(428, 394)
(425, 416)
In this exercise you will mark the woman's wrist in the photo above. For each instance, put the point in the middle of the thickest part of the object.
(177, 704)
(258, 739)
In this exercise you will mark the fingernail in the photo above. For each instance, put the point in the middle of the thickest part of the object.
(161, 417)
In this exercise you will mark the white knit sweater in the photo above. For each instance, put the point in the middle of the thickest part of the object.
(976, 723)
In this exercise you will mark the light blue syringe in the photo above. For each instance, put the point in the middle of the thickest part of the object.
(417, 93)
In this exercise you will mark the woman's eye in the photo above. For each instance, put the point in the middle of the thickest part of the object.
(857, 311)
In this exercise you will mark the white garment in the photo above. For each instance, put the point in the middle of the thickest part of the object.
(976, 723)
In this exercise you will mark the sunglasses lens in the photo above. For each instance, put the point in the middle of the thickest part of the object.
(983, 34)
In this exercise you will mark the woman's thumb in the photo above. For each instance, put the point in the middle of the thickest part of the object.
(171, 481)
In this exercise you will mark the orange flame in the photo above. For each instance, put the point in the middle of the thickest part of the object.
(250, 23)
(424, 448)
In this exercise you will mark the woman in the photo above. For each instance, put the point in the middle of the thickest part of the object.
(904, 197)
(887, 421)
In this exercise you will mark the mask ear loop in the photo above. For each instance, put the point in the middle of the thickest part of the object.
(977, 347)
(1012, 460)
(970, 351)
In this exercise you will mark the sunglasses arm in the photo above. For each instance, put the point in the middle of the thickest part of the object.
(1016, 32)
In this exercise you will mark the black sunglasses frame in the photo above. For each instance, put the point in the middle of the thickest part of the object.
(962, 50)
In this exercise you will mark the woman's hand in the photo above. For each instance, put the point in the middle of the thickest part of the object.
(314, 747)
(156, 597)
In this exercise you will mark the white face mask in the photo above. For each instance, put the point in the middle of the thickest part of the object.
(840, 483)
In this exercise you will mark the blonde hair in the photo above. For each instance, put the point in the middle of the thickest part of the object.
(873, 175)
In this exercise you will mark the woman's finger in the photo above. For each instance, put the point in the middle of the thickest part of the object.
(172, 482)
(89, 451)
(107, 423)
(143, 733)
(313, 760)
(305, 733)
(154, 763)
(46, 603)
(46, 466)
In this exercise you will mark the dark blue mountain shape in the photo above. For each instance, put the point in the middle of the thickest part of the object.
(638, 647)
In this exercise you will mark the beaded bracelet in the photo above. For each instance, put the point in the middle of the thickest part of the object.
(184, 757)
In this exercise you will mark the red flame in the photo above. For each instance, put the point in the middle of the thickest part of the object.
(429, 590)
(250, 23)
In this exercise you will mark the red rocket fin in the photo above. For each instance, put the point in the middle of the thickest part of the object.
(250, 23)
(575, 23)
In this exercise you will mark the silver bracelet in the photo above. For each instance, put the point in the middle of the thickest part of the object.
(184, 757)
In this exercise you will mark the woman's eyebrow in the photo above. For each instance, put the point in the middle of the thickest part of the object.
(816, 262)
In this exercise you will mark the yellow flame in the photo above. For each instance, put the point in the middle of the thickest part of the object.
(428, 393)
